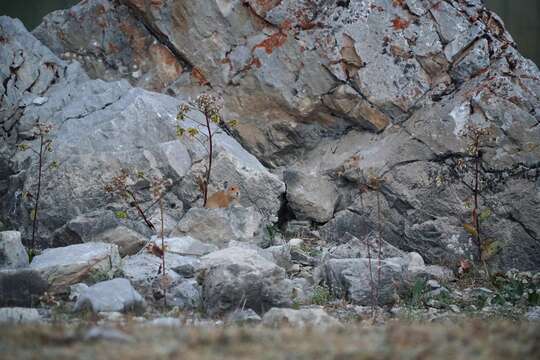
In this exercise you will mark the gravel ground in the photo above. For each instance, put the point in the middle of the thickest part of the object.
(473, 339)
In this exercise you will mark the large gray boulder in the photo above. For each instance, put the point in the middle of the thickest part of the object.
(416, 73)
(102, 226)
(186, 295)
(12, 252)
(346, 91)
(143, 269)
(101, 40)
(100, 128)
(219, 226)
(237, 277)
(65, 266)
(19, 315)
(362, 281)
(109, 296)
(311, 197)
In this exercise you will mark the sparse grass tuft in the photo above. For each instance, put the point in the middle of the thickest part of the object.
(321, 295)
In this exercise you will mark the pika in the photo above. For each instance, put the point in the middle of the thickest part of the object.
(223, 199)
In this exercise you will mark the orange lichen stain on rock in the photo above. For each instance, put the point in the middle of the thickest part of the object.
(169, 66)
(267, 5)
(399, 23)
(272, 42)
(400, 3)
(199, 76)
(138, 40)
(255, 62)
(308, 25)
(304, 20)
(286, 25)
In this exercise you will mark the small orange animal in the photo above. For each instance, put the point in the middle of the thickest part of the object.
(223, 199)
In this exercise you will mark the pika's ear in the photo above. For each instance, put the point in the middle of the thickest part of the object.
(225, 185)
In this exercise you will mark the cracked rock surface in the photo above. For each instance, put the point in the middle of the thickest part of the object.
(343, 92)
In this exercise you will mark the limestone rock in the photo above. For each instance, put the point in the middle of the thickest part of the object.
(313, 84)
(533, 314)
(187, 246)
(12, 252)
(235, 278)
(348, 103)
(310, 197)
(108, 296)
(72, 264)
(111, 55)
(186, 295)
(102, 226)
(128, 241)
(100, 128)
(18, 315)
(352, 279)
(352, 247)
(219, 226)
(142, 269)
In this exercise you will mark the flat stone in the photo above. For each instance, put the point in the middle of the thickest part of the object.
(142, 269)
(18, 315)
(65, 266)
(187, 246)
(110, 296)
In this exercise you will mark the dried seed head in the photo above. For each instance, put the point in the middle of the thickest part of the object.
(209, 104)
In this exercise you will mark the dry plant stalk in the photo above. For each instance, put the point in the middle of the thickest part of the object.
(42, 132)
(374, 183)
(158, 189)
(478, 137)
(210, 107)
(121, 185)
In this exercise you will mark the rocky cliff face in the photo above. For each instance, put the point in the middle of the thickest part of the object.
(330, 96)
